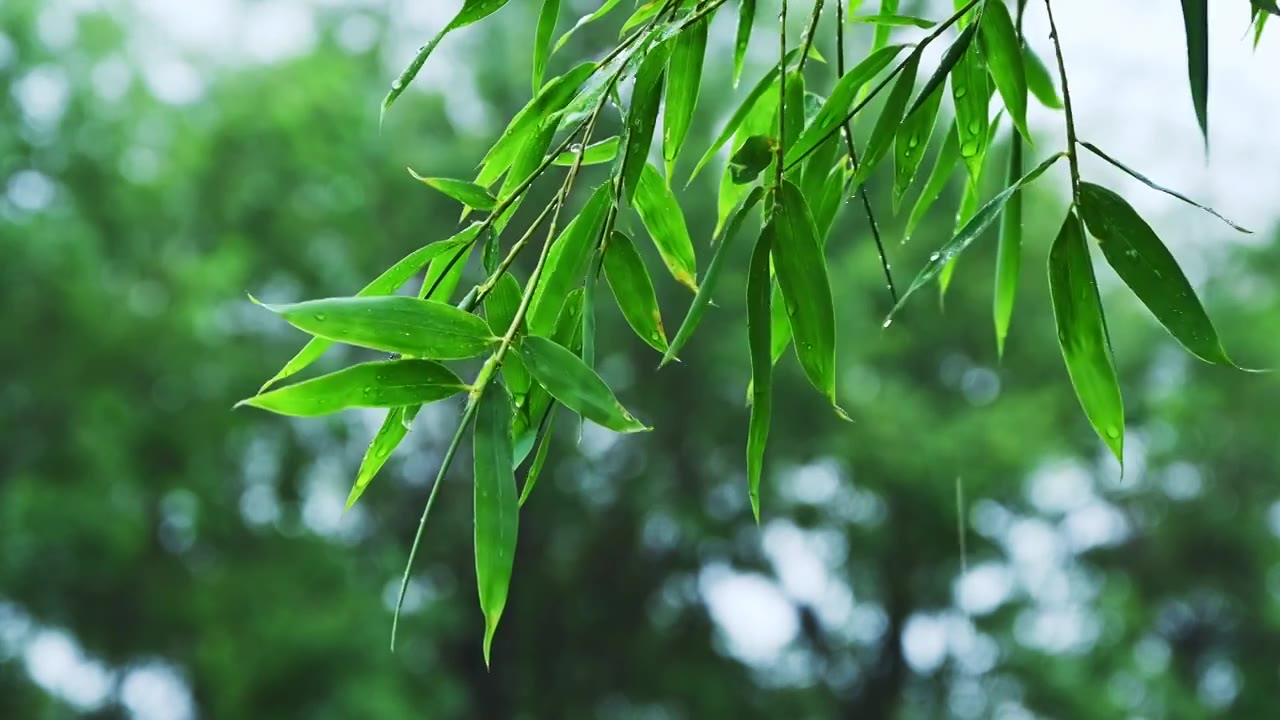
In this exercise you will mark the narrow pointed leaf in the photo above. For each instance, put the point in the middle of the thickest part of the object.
(911, 143)
(948, 61)
(600, 12)
(633, 290)
(525, 163)
(893, 21)
(1082, 334)
(443, 275)
(1151, 184)
(551, 99)
(393, 431)
(594, 154)
(468, 193)
(501, 306)
(881, 38)
(539, 458)
(684, 81)
(762, 121)
(1143, 262)
(393, 323)
(746, 19)
(472, 11)
(1009, 251)
(1195, 18)
(890, 120)
(1003, 53)
(712, 278)
(642, 117)
(567, 261)
(643, 14)
(834, 111)
(369, 385)
(802, 274)
(547, 19)
(497, 506)
(758, 331)
(575, 385)
(943, 166)
(1039, 80)
(755, 155)
(660, 212)
(971, 231)
(971, 95)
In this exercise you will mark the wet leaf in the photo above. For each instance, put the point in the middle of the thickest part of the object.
(1009, 252)
(468, 193)
(761, 121)
(801, 269)
(881, 38)
(893, 21)
(971, 95)
(501, 306)
(600, 12)
(393, 430)
(911, 143)
(575, 385)
(642, 117)
(526, 124)
(497, 506)
(547, 19)
(369, 385)
(662, 217)
(746, 19)
(755, 155)
(633, 290)
(1082, 334)
(1039, 79)
(945, 65)
(890, 119)
(834, 111)
(567, 261)
(683, 85)
(1195, 18)
(758, 332)
(594, 154)
(943, 166)
(539, 458)
(1003, 53)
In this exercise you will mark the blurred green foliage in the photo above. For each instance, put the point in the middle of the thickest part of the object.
(157, 534)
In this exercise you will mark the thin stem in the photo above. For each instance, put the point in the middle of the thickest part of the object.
(1073, 157)
(782, 94)
(937, 32)
(853, 159)
(809, 34)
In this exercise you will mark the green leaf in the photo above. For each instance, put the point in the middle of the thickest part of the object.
(525, 163)
(472, 11)
(762, 121)
(740, 114)
(1082, 334)
(970, 232)
(642, 117)
(567, 261)
(540, 457)
(683, 85)
(497, 506)
(793, 107)
(1003, 53)
(801, 268)
(746, 18)
(393, 323)
(755, 155)
(585, 20)
(881, 38)
(1144, 264)
(1195, 18)
(468, 193)
(1151, 184)
(890, 120)
(388, 282)
(393, 430)
(385, 384)
(501, 306)
(642, 15)
(594, 154)
(911, 143)
(443, 275)
(893, 21)
(662, 217)
(758, 331)
(633, 290)
(547, 19)
(1009, 251)
(1039, 80)
(834, 111)
(948, 61)
(943, 165)
(551, 99)
(971, 95)
(575, 385)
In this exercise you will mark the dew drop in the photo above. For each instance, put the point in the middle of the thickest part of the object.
(935, 257)
(961, 92)
(397, 85)
(913, 142)
(1113, 432)
(969, 149)
(575, 148)
(975, 127)
(321, 317)
(887, 322)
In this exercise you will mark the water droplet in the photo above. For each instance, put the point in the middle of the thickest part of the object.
(969, 149)
(397, 85)
(321, 317)
(575, 148)
(913, 142)
(1113, 432)
(975, 127)
(368, 391)
(887, 322)
(935, 257)
(961, 92)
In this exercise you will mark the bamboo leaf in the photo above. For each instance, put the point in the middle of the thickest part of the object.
(971, 95)
(911, 143)
(567, 261)
(600, 12)
(893, 21)
(393, 323)
(1195, 18)
(660, 212)
(393, 430)
(497, 507)
(801, 269)
(539, 458)
(756, 154)
(1003, 53)
(369, 385)
(683, 85)
(1082, 334)
(881, 37)
(557, 93)
(472, 11)
(761, 121)
(468, 193)
(575, 385)
(943, 165)
(501, 306)
(594, 154)
(746, 19)
(642, 117)
(1009, 251)
(1143, 262)
(890, 120)
(834, 111)
(970, 232)
(758, 331)
(632, 288)
(1039, 80)
(948, 61)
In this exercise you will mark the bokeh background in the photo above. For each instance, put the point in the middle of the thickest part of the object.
(164, 557)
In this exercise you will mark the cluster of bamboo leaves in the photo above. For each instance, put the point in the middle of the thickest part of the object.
(792, 161)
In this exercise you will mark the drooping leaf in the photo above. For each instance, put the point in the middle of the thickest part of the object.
(971, 231)
(834, 111)
(393, 323)
(1082, 334)
(501, 306)
(1195, 18)
(472, 11)
(468, 193)
(547, 20)
(746, 19)
(1143, 262)
(540, 457)
(684, 81)
(575, 385)
(567, 261)
(971, 95)
(762, 121)
(758, 329)
(911, 143)
(443, 275)
(642, 117)
(890, 119)
(801, 269)
(633, 290)
(594, 154)
(755, 155)
(643, 14)
(881, 38)
(1152, 184)
(946, 161)
(525, 163)
(660, 212)
(1039, 80)
(600, 12)
(393, 430)
(496, 508)
(793, 112)
(893, 21)
(551, 99)
(1003, 53)
(948, 61)
(712, 278)
(387, 384)
(1009, 251)
(388, 282)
